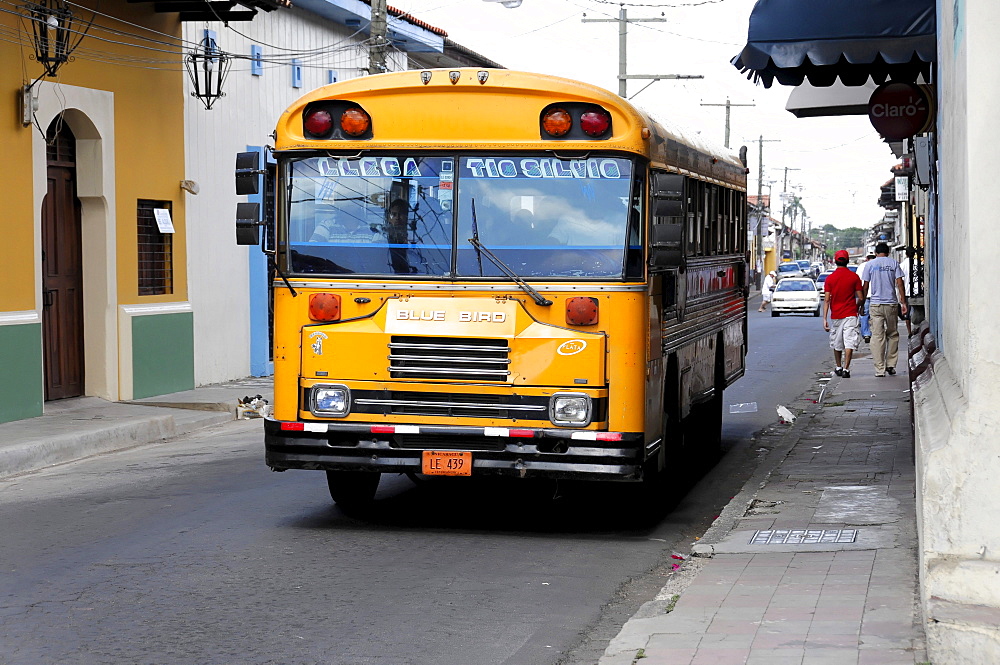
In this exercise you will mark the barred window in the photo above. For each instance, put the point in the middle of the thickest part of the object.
(156, 264)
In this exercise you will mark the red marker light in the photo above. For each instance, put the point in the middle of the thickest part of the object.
(355, 122)
(521, 433)
(383, 429)
(324, 307)
(582, 311)
(318, 122)
(609, 436)
(595, 123)
(557, 121)
(293, 427)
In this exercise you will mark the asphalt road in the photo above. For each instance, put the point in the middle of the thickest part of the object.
(193, 552)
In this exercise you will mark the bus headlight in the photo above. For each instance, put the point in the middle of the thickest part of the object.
(330, 401)
(572, 409)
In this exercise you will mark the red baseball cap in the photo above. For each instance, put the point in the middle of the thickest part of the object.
(841, 254)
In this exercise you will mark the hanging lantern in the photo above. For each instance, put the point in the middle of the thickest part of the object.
(207, 69)
(52, 25)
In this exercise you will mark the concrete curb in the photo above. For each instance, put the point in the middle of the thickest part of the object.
(33, 455)
(59, 448)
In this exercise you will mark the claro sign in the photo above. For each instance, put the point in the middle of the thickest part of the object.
(899, 110)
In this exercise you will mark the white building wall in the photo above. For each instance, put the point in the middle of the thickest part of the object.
(217, 267)
(955, 402)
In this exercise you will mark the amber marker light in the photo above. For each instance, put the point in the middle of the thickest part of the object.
(581, 311)
(557, 121)
(324, 307)
(355, 122)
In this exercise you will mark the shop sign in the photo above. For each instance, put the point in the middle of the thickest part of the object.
(899, 110)
(902, 188)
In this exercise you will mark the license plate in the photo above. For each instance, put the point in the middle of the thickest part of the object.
(446, 463)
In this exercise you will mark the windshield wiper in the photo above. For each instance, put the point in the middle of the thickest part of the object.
(481, 249)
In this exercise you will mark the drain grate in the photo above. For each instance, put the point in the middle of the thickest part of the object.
(803, 536)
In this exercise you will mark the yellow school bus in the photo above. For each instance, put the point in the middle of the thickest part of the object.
(490, 272)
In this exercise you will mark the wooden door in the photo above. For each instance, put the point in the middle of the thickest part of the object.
(62, 272)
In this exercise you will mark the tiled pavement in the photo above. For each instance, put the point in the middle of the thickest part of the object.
(849, 467)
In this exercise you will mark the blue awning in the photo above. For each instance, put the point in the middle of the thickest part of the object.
(823, 40)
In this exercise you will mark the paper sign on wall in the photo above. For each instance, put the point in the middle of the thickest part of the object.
(163, 221)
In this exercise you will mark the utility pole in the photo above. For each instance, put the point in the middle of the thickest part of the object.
(784, 198)
(378, 36)
(760, 207)
(623, 77)
(728, 104)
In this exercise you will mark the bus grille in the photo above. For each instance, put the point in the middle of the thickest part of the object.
(453, 405)
(451, 358)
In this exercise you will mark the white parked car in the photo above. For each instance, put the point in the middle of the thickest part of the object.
(789, 269)
(795, 294)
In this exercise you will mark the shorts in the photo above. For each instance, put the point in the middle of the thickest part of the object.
(845, 333)
(766, 295)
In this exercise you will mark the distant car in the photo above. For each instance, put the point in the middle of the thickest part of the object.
(822, 278)
(789, 269)
(796, 295)
(817, 269)
(806, 267)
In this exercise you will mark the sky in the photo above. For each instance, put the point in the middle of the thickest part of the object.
(836, 165)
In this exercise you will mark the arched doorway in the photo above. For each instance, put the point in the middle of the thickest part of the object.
(62, 268)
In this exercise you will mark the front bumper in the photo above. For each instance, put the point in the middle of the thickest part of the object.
(803, 306)
(518, 452)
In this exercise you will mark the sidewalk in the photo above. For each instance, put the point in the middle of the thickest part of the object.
(814, 562)
(75, 428)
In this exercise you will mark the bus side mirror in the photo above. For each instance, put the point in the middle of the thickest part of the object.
(247, 170)
(247, 223)
(666, 247)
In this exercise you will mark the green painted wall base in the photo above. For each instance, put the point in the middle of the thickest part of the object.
(22, 389)
(162, 354)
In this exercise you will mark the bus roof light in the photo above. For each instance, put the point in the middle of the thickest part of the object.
(557, 121)
(355, 121)
(595, 122)
(318, 123)
(324, 307)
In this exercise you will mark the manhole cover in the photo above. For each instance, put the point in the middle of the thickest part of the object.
(803, 536)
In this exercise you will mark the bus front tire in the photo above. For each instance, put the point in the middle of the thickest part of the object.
(353, 490)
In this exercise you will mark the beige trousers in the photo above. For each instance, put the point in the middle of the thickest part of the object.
(884, 322)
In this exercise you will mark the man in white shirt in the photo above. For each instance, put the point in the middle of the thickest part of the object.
(882, 281)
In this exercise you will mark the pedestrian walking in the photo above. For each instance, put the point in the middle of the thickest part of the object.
(767, 290)
(866, 329)
(842, 304)
(882, 284)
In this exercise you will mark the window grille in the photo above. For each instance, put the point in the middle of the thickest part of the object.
(155, 251)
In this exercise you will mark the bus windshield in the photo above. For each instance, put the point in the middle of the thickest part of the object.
(414, 215)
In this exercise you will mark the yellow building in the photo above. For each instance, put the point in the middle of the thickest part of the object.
(96, 288)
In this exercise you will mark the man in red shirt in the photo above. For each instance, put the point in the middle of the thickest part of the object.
(841, 301)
